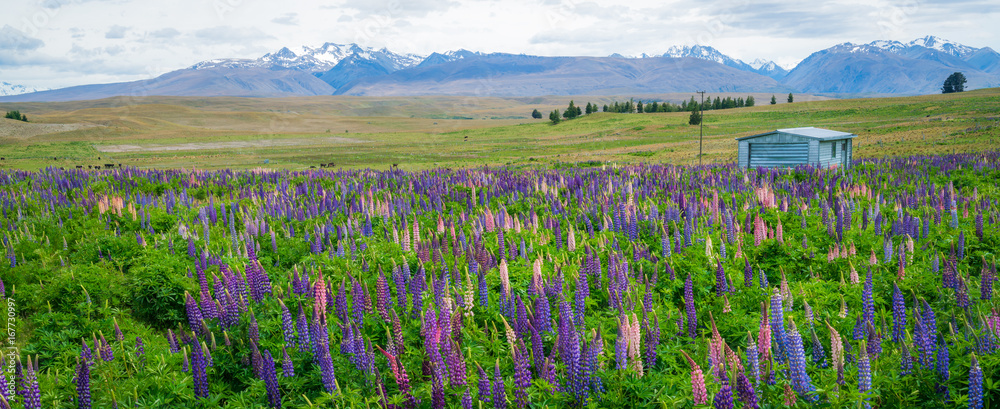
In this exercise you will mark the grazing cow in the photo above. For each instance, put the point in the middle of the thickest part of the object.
(312, 167)
(79, 166)
(109, 165)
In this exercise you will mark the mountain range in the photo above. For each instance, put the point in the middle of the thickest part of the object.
(7, 89)
(879, 67)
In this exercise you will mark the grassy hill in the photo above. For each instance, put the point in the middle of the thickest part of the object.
(425, 132)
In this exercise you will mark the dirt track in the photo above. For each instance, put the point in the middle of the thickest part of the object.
(194, 146)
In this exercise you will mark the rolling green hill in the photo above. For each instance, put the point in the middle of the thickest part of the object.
(425, 132)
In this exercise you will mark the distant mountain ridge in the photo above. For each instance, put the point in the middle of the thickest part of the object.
(892, 67)
(879, 67)
(7, 89)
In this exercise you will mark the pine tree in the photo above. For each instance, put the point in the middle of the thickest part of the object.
(750, 101)
(638, 107)
(954, 83)
(535, 114)
(773, 100)
(695, 118)
(554, 117)
(790, 99)
(590, 109)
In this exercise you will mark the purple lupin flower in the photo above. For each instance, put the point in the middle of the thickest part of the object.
(140, 351)
(118, 332)
(83, 384)
(107, 354)
(271, 381)
(777, 324)
(484, 385)
(975, 385)
(287, 366)
(867, 302)
(287, 325)
(723, 399)
(522, 375)
(986, 283)
(898, 314)
(721, 284)
(199, 364)
(193, 314)
(864, 374)
(383, 301)
(32, 394)
(905, 360)
(797, 365)
(689, 308)
(745, 391)
(499, 390)
(456, 364)
(302, 327)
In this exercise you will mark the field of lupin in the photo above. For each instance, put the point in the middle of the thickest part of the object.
(626, 286)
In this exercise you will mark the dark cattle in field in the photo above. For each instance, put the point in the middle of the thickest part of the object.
(79, 166)
(119, 165)
(109, 165)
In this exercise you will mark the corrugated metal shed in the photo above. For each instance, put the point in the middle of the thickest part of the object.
(796, 146)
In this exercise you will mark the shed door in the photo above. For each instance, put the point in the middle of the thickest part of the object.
(778, 154)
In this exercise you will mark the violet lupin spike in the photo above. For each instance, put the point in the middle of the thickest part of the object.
(797, 365)
(864, 374)
(746, 392)
(898, 314)
(271, 381)
(689, 307)
(499, 390)
(82, 384)
(975, 384)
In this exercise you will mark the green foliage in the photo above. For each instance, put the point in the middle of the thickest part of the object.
(773, 100)
(790, 98)
(16, 115)
(694, 118)
(954, 83)
(554, 117)
(535, 114)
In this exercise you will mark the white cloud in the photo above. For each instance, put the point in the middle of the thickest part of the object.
(12, 39)
(231, 35)
(288, 19)
(116, 32)
(168, 32)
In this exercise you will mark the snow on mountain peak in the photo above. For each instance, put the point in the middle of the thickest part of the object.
(7, 89)
(943, 45)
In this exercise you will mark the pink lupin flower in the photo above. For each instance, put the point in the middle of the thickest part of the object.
(764, 335)
(698, 391)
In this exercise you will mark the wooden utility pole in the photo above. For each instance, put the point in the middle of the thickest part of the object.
(701, 124)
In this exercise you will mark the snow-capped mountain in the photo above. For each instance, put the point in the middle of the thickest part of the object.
(893, 67)
(7, 88)
(945, 46)
(706, 53)
(878, 67)
(314, 59)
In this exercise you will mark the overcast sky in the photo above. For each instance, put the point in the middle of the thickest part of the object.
(58, 43)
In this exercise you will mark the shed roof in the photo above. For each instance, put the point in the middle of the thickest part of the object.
(807, 132)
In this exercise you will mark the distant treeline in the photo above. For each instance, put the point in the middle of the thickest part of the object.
(632, 106)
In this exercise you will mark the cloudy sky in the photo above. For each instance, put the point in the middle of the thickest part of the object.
(58, 43)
